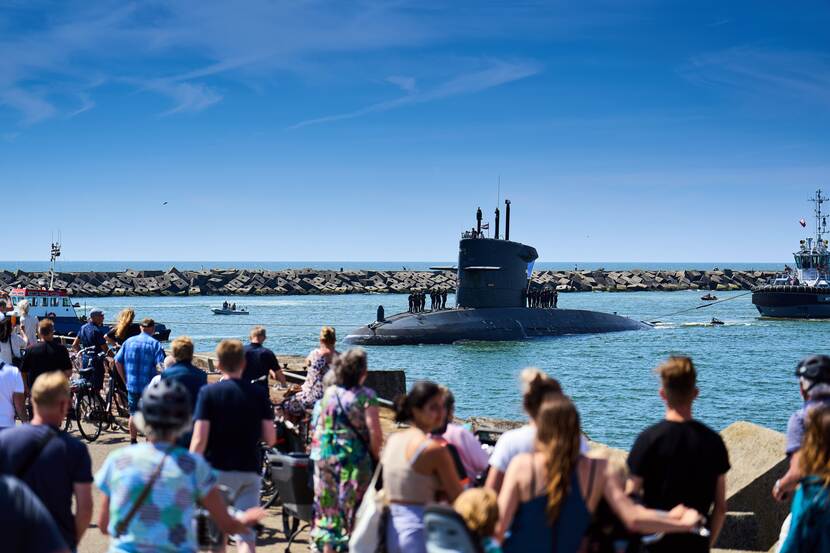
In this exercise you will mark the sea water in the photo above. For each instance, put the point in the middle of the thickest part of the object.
(745, 367)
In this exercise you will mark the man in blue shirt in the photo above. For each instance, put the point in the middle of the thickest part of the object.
(137, 362)
(93, 335)
(192, 378)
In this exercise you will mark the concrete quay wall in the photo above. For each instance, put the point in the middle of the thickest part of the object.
(243, 282)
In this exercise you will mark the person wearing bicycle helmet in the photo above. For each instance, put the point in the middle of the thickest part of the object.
(813, 374)
(161, 519)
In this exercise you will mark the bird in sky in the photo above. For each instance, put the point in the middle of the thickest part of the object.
(163, 203)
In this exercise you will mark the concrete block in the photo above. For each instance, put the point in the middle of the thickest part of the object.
(757, 458)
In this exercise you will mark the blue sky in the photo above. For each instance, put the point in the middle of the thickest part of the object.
(621, 131)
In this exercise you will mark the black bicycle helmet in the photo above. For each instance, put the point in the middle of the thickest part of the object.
(815, 368)
(165, 404)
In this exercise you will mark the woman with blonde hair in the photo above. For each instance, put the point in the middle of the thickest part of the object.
(28, 323)
(319, 361)
(549, 496)
(124, 327)
(810, 526)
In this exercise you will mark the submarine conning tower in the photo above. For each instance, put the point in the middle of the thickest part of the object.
(493, 272)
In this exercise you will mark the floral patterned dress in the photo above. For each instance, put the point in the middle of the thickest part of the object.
(343, 464)
(312, 389)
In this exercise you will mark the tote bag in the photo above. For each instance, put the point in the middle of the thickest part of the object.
(366, 535)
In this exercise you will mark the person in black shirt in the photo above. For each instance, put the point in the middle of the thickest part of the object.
(56, 466)
(25, 524)
(680, 461)
(232, 416)
(261, 361)
(45, 356)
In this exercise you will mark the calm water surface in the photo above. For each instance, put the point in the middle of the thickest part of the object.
(745, 367)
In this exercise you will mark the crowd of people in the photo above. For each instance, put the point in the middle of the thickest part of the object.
(543, 297)
(538, 489)
(437, 300)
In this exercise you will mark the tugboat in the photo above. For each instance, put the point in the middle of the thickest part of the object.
(56, 304)
(491, 302)
(802, 293)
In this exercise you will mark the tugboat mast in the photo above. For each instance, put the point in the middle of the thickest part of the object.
(56, 253)
(821, 222)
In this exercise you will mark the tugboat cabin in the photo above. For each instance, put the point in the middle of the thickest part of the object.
(812, 262)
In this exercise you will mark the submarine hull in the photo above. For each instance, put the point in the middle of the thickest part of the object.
(490, 324)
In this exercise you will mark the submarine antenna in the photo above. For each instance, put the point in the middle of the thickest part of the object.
(506, 219)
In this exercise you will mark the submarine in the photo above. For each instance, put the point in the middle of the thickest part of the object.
(491, 301)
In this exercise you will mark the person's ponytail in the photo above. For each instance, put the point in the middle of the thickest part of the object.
(558, 432)
(536, 386)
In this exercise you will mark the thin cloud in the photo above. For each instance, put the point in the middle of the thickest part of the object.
(86, 105)
(188, 97)
(202, 41)
(798, 75)
(719, 22)
(497, 74)
(407, 84)
(32, 107)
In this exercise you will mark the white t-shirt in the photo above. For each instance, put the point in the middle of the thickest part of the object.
(29, 324)
(10, 383)
(516, 441)
(12, 348)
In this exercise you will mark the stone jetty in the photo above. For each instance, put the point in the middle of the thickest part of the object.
(242, 282)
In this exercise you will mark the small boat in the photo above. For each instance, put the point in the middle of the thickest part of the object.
(717, 322)
(709, 297)
(219, 311)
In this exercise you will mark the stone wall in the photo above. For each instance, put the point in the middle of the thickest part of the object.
(216, 282)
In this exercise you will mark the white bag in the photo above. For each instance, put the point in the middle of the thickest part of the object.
(365, 536)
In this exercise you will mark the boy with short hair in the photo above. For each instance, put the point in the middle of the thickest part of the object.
(232, 416)
(680, 460)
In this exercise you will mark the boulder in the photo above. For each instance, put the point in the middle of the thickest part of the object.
(757, 458)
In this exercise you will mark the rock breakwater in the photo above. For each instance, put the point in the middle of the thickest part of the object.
(229, 282)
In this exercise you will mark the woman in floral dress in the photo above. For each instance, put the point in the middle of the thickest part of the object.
(347, 439)
(318, 361)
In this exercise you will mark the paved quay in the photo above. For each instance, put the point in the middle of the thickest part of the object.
(245, 282)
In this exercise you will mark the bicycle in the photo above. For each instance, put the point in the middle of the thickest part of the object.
(115, 399)
(86, 403)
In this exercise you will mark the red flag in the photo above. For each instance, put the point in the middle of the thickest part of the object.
(802, 222)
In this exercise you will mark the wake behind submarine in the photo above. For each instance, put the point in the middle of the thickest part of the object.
(491, 301)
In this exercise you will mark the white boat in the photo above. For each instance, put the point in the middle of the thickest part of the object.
(219, 311)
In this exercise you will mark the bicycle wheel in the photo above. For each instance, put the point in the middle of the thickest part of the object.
(268, 494)
(119, 414)
(89, 414)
